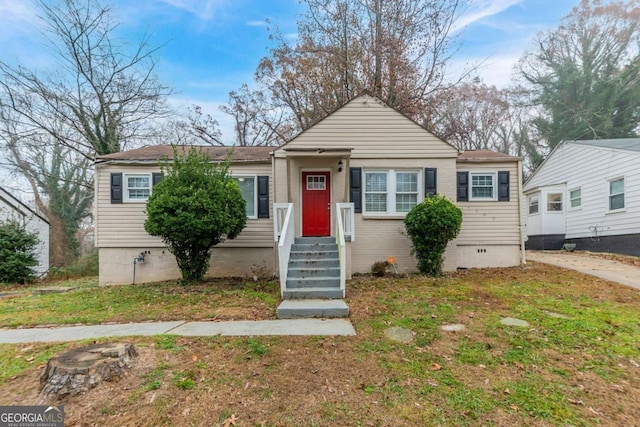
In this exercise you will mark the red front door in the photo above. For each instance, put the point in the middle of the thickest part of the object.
(316, 204)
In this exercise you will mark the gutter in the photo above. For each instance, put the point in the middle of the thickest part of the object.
(523, 259)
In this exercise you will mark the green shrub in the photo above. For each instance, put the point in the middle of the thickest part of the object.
(17, 253)
(82, 267)
(431, 225)
(196, 206)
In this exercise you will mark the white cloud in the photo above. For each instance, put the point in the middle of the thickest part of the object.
(203, 9)
(256, 23)
(18, 18)
(481, 9)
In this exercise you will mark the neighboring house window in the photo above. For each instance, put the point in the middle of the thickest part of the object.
(391, 192)
(616, 194)
(249, 191)
(483, 186)
(554, 202)
(534, 205)
(575, 198)
(138, 187)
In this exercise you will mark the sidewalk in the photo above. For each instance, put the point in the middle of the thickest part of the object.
(189, 329)
(613, 271)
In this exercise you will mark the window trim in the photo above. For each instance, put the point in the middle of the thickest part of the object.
(570, 205)
(391, 191)
(494, 186)
(531, 199)
(562, 202)
(624, 194)
(255, 192)
(125, 185)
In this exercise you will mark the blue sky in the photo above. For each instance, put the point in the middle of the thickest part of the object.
(213, 46)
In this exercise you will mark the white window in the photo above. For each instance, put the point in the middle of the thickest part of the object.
(534, 205)
(137, 187)
(375, 192)
(616, 194)
(391, 192)
(248, 188)
(554, 202)
(575, 198)
(406, 191)
(483, 186)
(316, 182)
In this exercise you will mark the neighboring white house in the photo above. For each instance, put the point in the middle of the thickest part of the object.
(586, 193)
(12, 209)
(353, 177)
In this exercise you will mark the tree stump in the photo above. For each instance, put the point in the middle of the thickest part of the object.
(78, 371)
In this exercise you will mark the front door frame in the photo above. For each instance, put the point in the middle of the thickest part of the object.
(302, 184)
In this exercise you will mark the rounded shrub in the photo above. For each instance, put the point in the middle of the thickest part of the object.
(431, 225)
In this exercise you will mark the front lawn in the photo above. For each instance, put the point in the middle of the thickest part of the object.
(577, 363)
(89, 303)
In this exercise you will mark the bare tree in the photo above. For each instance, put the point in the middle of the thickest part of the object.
(256, 121)
(395, 49)
(99, 95)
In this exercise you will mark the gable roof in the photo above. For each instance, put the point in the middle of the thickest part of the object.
(363, 94)
(630, 144)
(154, 153)
(16, 204)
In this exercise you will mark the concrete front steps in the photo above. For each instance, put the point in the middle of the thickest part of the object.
(312, 308)
(313, 281)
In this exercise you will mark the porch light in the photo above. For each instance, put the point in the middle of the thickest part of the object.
(340, 164)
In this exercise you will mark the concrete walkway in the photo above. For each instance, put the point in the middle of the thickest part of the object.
(613, 271)
(189, 329)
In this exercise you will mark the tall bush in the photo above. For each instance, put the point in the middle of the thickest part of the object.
(431, 225)
(17, 253)
(196, 206)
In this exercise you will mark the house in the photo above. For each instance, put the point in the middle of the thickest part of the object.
(352, 178)
(12, 209)
(586, 193)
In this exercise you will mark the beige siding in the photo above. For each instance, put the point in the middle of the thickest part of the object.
(373, 131)
(491, 223)
(122, 225)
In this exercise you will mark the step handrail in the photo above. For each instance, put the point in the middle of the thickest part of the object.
(342, 210)
(284, 232)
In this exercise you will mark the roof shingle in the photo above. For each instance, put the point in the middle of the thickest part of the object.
(159, 152)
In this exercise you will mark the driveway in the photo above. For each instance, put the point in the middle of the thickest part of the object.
(605, 269)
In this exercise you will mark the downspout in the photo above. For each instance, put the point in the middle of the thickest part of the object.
(520, 216)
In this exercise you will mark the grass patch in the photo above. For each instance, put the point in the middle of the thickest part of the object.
(579, 369)
(90, 303)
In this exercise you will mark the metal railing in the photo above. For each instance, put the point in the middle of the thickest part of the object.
(284, 234)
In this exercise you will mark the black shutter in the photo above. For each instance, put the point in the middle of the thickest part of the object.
(355, 189)
(263, 197)
(430, 182)
(462, 186)
(116, 188)
(503, 186)
(156, 177)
